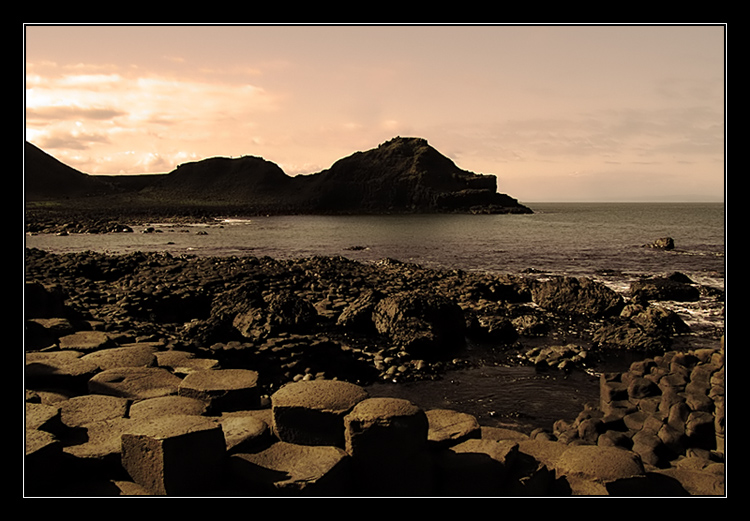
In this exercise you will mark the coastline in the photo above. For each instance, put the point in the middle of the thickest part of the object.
(283, 318)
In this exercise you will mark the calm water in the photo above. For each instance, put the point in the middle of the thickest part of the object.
(559, 238)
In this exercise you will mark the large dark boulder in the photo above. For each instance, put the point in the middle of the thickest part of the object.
(423, 324)
(639, 328)
(574, 296)
(663, 288)
(280, 313)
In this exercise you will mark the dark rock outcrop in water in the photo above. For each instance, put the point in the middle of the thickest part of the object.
(403, 175)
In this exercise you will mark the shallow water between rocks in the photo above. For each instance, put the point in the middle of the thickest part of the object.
(516, 397)
(568, 239)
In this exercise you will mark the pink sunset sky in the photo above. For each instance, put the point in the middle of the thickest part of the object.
(556, 112)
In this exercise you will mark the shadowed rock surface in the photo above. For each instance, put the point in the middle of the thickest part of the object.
(187, 404)
(403, 175)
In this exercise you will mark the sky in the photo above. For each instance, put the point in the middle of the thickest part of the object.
(557, 112)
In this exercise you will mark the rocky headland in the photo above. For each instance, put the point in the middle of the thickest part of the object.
(403, 175)
(149, 374)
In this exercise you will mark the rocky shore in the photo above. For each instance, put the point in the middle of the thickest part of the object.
(148, 374)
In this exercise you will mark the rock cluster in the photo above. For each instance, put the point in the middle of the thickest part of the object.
(143, 430)
(134, 362)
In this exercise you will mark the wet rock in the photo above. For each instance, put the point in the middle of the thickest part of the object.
(281, 313)
(358, 316)
(662, 243)
(448, 427)
(425, 325)
(662, 288)
(577, 297)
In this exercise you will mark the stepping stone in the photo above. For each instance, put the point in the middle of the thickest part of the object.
(43, 417)
(184, 362)
(387, 439)
(311, 412)
(100, 452)
(129, 356)
(42, 464)
(87, 341)
(382, 426)
(63, 369)
(175, 455)
(476, 467)
(223, 389)
(291, 469)
(243, 432)
(448, 427)
(137, 383)
(501, 433)
(88, 408)
(594, 470)
(166, 405)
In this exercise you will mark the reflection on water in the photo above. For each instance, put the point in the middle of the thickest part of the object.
(502, 396)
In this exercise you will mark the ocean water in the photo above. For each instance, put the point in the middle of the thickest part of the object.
(600, 240)
(562, 238)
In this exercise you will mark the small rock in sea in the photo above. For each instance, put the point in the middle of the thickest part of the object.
(663, 243)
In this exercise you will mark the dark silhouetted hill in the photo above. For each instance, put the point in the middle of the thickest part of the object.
(403, 175)
(400, 175)
(46, 178)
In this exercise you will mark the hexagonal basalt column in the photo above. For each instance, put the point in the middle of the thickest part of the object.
(175, 455)
(311, 412)
(223, 389)
(387, 439)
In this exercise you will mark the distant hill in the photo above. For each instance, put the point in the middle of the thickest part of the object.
(401, 175)
(46, 178)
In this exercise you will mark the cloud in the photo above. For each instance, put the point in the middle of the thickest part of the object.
(74, 111)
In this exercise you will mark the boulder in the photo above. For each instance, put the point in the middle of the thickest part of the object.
(448, 427)
(244, 431)
(662, 243)
(43, 301)
(594, 470)
(663, 288)
(577, 297)
(282, 312)
(425, 325)
(357, 316)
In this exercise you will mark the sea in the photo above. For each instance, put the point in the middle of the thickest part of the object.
(604, 241)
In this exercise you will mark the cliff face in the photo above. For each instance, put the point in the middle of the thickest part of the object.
(400, 175)
(403, 175)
